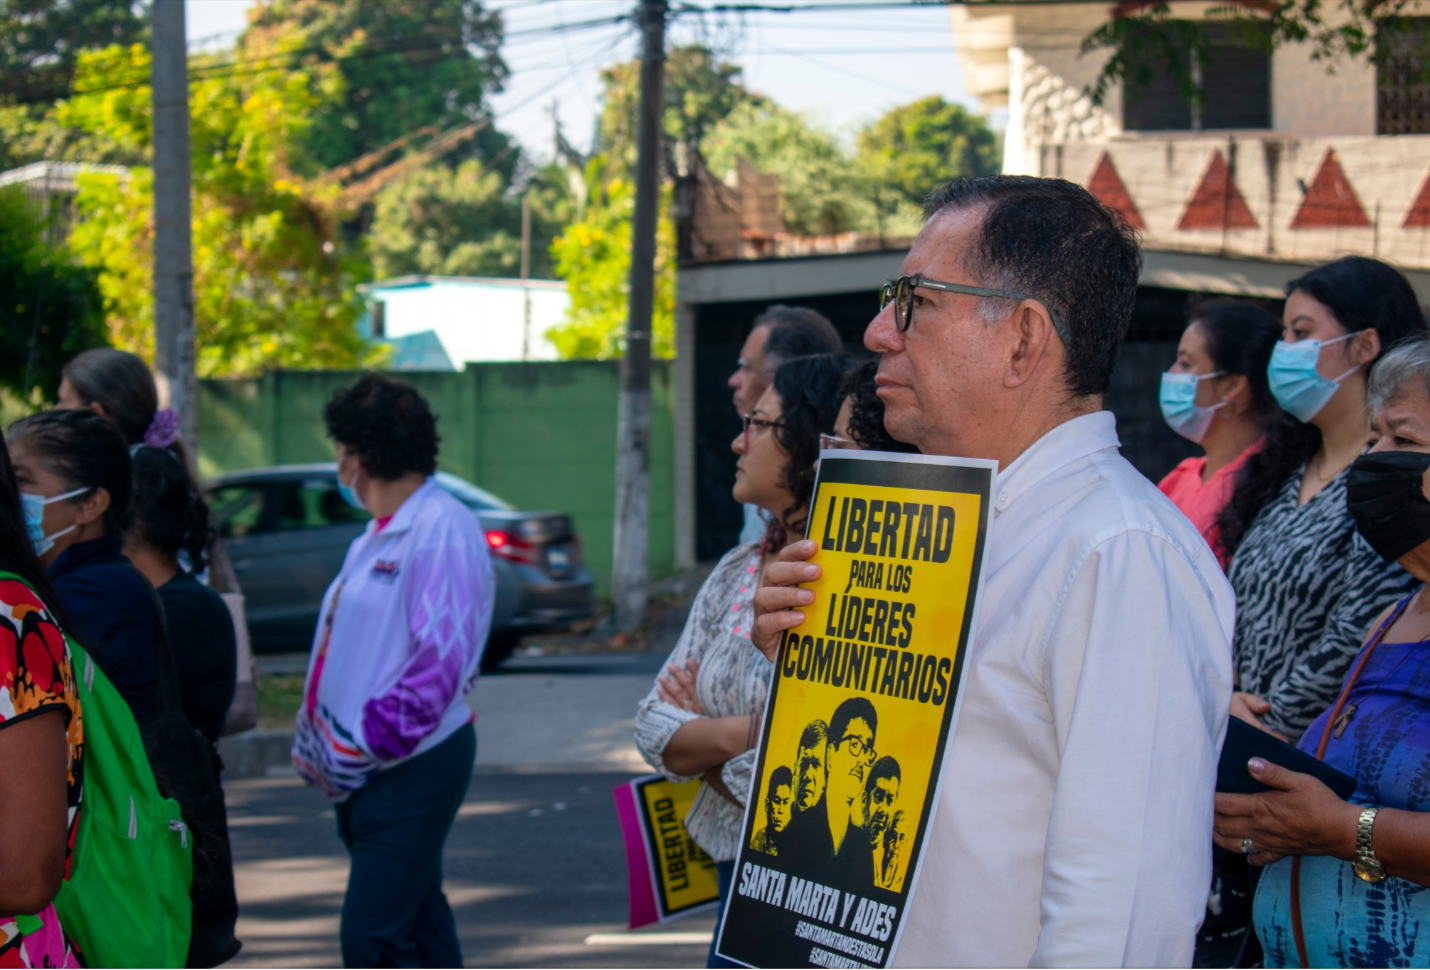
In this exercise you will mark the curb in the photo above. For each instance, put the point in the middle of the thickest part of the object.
(250, 754)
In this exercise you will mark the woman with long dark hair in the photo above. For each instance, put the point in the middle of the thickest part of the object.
(115, 384)
(41, 744)
(171, 516)
(121, 387)
(1306, 586)
(702, 716)
(77, 464)
(1216, 394)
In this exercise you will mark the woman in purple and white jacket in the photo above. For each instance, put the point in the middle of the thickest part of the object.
(384, 728)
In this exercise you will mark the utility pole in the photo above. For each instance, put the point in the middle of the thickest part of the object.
(630, 575)
(525, 275)
(173, 243)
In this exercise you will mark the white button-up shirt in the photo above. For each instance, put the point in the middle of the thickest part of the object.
(1075, 821)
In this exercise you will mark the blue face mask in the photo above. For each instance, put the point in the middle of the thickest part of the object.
(33, 507)
(1296, 384)
(350, 494)
(1178, 399)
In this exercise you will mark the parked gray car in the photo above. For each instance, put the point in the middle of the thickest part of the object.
(287, 530)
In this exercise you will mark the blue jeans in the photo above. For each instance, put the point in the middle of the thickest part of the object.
(395, 913)
(726, 873)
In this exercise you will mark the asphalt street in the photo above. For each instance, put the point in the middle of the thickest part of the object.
(535, 869)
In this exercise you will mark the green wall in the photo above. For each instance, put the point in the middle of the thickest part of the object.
(540, 435)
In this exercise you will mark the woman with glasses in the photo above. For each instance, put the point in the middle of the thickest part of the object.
(702, 716)
(1216, 395)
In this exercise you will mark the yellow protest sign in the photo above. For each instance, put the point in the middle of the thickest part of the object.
(861, 708)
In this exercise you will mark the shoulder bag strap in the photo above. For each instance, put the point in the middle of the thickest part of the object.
(1297, 930)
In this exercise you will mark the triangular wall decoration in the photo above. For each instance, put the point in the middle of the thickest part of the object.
(1110, 190)
(1418, 216)
(1330, 201)
(1217, 203)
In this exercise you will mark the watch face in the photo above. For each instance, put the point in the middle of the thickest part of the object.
(1368, 869)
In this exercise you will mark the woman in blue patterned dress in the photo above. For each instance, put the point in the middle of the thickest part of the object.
(1346, 883)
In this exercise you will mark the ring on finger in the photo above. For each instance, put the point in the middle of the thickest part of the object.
(1246, 847)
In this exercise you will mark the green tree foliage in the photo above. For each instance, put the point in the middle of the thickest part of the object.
(50, 307)
(926, 142)
(40, 43)
(391, 66)
(274, 285)
(699, 93)
(915, 147)
(593, 256)
(447, 222)
(466, 222)
(820, 191)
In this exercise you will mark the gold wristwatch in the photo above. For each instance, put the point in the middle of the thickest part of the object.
(1366, 865)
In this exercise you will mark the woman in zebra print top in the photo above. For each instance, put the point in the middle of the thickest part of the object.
(1307, 586)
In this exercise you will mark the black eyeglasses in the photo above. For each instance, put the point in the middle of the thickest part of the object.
(901, 291)
(761, 423)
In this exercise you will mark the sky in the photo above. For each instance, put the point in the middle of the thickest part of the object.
(842, 68)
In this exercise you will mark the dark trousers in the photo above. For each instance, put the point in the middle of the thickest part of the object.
(726, 873)
(395, 913)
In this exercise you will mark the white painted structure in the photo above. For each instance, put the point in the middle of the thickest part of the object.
(445, 322)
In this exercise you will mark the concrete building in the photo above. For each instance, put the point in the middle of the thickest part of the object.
(445, 322)
(1286, 167)
(1288, 163)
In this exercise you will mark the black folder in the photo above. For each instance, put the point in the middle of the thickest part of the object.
(1244, 742)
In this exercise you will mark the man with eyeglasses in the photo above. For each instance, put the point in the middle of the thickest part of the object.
(778, 334)
(814, 838)
(1074, 827)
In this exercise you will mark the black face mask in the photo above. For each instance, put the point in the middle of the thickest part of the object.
(1386, 496)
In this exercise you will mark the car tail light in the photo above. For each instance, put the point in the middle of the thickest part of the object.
(511, 546)
(578, 550)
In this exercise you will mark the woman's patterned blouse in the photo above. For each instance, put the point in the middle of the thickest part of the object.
(37, 675)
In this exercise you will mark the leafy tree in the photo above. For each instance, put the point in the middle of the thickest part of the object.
(452, 223)
(699, 93)
(40, 43)
(593, 256)
(466, 222)
(915, 147)
(274, 284)
(391, 67)
(50, 308)
(819, 188)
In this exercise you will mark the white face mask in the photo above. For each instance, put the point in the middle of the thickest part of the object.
(33, 507)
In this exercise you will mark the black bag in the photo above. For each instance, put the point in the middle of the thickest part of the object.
(186, 767)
